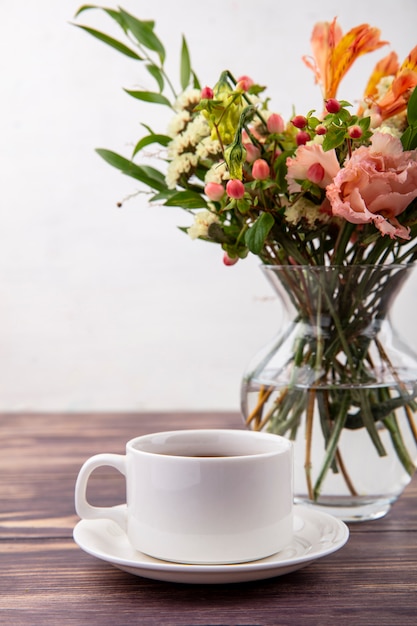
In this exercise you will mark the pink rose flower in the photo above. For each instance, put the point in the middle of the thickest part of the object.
(306, 162)
(376, 185)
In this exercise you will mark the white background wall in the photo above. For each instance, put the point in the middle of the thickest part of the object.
(104, 308)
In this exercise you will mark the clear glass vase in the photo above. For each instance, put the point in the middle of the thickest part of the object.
(340, 383)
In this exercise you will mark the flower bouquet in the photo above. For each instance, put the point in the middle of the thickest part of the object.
(327, 201)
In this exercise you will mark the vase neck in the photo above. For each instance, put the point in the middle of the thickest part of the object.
(321, 296)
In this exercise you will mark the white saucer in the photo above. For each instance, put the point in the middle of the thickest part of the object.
(316, 535)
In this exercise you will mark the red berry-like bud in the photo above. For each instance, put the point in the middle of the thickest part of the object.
(207, 93)
(235, 189)
(244, 83)
(355, 132)
(321, 130)
(214, 191)
(260, 170)
(252, 152)
(333, 105)
(227, 260)
(315, 173)
(302, 137)
(275, 123)
(299, 121)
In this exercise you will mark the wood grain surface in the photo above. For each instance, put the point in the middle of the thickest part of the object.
(45, 579)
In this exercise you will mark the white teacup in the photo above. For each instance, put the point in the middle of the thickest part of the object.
(201, 496)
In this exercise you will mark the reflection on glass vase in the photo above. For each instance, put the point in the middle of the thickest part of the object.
(341, 384)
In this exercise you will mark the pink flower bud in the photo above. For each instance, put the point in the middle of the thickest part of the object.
(252, 152)
(333, 105)
(214, 191)
(315, 173)
(299, 121)
(302, 137)
(235, 189)
(207, 93)
(275, 123)
(260, 170)
(227, 260)
(243, 83)
(321, 130)
(355, 132)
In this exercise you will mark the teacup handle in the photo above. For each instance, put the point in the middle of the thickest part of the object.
(84, 509)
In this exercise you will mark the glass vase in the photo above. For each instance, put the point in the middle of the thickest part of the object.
(340, 383)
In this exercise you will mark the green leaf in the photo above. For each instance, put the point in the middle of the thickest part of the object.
(196, 82)
(256, 235)
(313, 122)
(333, 139)
(409, 138)
(187, 200)
(344, 116)
(156, 73)
(147, 175)
(412, 108)
(163, 195)
(255, 90)
(113, 43)
(148, 128)
(85, 7)
(162, 140)
(144, 34)
(185, 65)
(115, 15)
(243, 205)
(149, 96)
(364, 123)
(280, 168)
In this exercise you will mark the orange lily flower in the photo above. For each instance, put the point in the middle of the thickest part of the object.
(395, 100)
(334, 53)
(388, 66)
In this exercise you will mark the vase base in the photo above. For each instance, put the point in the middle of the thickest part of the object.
(349, 509)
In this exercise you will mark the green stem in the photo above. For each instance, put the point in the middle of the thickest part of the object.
(369, 422)
(397, 441)
(340, 329)
(342, 241)
(333, 443)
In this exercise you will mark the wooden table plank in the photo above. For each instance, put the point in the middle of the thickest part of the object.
(338, 588)
(45, 579)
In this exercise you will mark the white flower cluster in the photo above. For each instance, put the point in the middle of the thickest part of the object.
(202, 221)
(194, 131)
(187, 100)
(307, 211)
(393, 126)
(217, 173)
(208, 148)
(188, 131)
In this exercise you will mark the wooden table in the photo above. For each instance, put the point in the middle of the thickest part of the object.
(46, 579)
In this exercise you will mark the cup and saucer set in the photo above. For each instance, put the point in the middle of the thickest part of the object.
(202, 509)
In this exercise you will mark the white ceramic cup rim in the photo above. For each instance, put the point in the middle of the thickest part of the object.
(219, 444)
